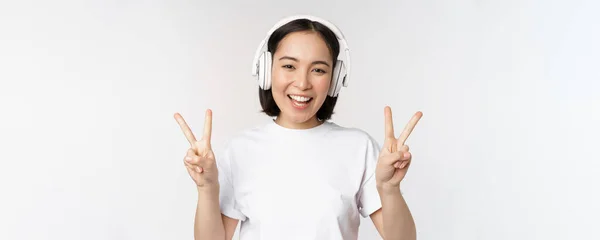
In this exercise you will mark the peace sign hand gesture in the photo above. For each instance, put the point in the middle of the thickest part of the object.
(394, 158)
(200, 159)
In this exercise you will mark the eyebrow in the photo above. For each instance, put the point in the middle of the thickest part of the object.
(295, 59)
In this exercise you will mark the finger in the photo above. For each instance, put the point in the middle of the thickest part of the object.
(406, 156)
(404, 148)
(409, 127)
(188, 163)
(194, 168)
(191, 152)
(185, 128)
(190, 171)
(202, 162)
(406, 159)
(404, 164)
(208, 125)
(189, 160)
(389, 123)
(191, 156)
(194, 160)
(392, 158)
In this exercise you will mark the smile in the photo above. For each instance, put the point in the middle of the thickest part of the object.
(300, 99)
(299, 102)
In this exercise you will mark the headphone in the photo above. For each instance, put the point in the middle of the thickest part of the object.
(261, 66)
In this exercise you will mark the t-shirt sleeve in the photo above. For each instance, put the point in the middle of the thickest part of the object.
(227, 200)
(368, 198)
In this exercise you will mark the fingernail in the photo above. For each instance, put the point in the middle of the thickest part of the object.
(189, 159)
(406, 155)
(198, 169)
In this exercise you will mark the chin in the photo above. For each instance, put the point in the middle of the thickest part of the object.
(300, 118)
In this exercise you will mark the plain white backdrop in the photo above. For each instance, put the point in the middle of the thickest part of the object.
(507, 147)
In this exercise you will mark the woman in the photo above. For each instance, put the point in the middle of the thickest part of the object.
(300, 176)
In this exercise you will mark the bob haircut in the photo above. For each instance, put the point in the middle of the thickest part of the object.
(299, 25)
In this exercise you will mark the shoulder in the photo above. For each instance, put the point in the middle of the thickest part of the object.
(353, 134)
(246, 136)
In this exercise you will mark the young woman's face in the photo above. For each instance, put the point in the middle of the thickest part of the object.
(301, 76)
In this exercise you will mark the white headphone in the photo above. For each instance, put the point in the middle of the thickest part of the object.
(261, 66)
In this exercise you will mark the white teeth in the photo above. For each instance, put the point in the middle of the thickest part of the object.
(300, 98)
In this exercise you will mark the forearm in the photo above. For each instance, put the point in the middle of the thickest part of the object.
(398, 223)
(208, 223)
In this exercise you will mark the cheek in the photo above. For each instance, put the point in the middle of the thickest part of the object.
(278, 86)
(321, 84)
(278, 79)
(279, 76)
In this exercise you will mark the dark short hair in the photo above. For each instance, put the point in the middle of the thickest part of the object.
(266, 96)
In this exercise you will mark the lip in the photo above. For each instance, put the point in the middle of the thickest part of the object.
(299, 107)
(305, 106)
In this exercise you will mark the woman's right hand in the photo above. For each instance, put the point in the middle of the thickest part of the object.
(200, 159)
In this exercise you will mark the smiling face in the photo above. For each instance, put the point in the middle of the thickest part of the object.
(301, 75)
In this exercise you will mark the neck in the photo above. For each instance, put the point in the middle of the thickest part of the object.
(311, 123)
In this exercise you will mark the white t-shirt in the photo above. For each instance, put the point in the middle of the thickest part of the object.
(299, 183)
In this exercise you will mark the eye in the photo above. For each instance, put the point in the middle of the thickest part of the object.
(288, 66)
(319, 70)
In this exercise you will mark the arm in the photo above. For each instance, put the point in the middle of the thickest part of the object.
(200, 163)
(208, 223)
(230, 225)
(394, 220)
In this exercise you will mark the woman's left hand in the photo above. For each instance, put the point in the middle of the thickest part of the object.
(394, 158)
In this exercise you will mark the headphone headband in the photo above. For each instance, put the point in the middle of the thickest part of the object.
(340, 37)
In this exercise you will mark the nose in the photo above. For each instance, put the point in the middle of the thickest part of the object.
(302, 81)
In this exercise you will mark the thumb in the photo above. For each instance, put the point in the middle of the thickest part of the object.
(392, 158)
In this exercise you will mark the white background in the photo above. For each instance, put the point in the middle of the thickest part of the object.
(507, 147)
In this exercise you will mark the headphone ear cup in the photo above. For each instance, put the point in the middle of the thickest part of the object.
(339, 73)
(261, 71)
(268, 69)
